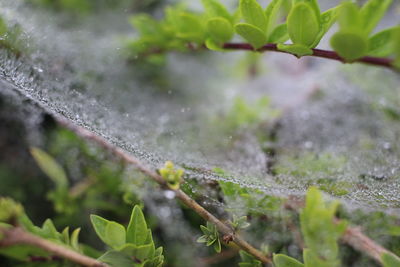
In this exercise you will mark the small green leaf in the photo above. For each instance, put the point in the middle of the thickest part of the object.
(190, 27)
(202, 239)
(303, 25)
(116, 259)
(253, 14)
(328, 18)
(217, 246)
(252, 34)
(111, 233)
(272, 12)
(212, 45)
(215, 9)
(349, 17)
(279, 34)
(50, 167)
(381, 44)
(137, 228)
(298, 50)
(49, 230)
(139, 252)
(350, 46)
(220, 29)
(75, 239)
(390, 260)
(313, 4)
(281, 260)
(372, 12)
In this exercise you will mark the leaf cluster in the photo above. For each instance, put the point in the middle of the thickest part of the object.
(320, 232)
(210, 236)
(131, 246)
(304, 24)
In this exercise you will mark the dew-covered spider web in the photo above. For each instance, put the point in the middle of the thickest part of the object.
(334, 125)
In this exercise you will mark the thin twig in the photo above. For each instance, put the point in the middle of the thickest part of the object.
(18, 236)
(377, 61)
(222, 227)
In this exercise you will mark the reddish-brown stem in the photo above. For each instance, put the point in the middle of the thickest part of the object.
(377, 61)
(17, 236)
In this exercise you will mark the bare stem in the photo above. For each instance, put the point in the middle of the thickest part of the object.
(377, 61)
(17, 236)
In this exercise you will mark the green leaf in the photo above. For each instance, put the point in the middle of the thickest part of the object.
(50, 167)
(350, 46)
(111, 233)
(390, 260)
(137, 228)
(312, 3)
(215, 9)
(372, 12)
(220, 29)
(190, 27)
(279, 34)
(381, 44)
(116, 259)
(298, 50)
(303, 25)
(320, 231)
(253, 14)
(328, 18)
(349, 18)
(212, 45)
(272, 12)
(252, 34)
(281, 260)
(75, 239)
(217, 246)
(49, 231)
(141, 253)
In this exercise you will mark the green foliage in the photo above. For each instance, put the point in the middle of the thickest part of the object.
(210, 237)
(281, 260)
(10, 38)
(320, 233)
(321, 170)
(248, 260)
(48, 231)
(319, 229)
(172, 176)
(246, 115)
(356, 24)
(133, 246)
(260, 25)
(60, 196)
(390, 260)
(9, 210)
(306, 26)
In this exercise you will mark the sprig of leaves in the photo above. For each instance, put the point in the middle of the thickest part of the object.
(210, 237)
(356, 23)
(131, 246)
(320, 233)
(172, 176)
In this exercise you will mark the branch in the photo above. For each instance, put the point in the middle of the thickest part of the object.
(352, 237)
(127, 158)
(18, 236)
(377, 61)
